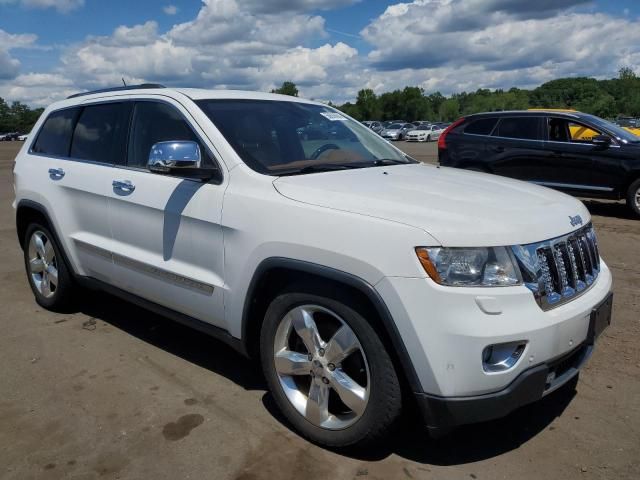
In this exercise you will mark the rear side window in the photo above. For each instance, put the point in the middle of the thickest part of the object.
(54, 137)
(100, 133)
(482, 126)
(155, 122)
(524, 128)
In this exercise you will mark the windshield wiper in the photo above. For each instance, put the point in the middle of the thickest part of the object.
(382, 162)
(322, 167)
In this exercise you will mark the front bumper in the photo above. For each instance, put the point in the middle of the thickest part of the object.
(445, 331)
(531, 385)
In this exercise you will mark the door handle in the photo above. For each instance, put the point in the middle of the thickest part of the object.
(56, 173)
(497, 149)
(123, 185)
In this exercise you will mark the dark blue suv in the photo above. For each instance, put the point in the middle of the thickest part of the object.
(575, 152)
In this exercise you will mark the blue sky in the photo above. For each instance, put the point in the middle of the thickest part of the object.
(330, 48)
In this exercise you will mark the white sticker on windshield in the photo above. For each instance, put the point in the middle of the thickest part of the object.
(333, 116)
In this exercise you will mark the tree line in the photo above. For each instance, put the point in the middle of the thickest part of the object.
(17, 117)
(605, 98)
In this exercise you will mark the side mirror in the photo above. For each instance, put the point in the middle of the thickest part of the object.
(601, 141)
(166, 157)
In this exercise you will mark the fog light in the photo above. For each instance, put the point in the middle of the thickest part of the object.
(502, 356)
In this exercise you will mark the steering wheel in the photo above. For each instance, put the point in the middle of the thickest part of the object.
(320, 150)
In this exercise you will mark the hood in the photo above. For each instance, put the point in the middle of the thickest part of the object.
(456, 207)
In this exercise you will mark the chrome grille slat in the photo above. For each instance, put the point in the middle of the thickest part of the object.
(560, 269)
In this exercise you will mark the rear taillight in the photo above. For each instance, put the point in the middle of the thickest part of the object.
(442, 140)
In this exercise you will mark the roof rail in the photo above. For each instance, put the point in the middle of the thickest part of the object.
(117, 89)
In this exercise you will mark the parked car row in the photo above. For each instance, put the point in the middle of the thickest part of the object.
(574, 152)
(418, 131)
(12, 137)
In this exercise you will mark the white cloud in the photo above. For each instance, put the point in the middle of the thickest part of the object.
(63, 6)
(37, 89)
(10, 66)
(170, 9)
(516, 45)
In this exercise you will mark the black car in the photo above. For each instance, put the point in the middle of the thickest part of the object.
(575, 152)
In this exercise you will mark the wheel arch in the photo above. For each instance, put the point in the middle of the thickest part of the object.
(632, 177)
(29, 211)
(273, 274)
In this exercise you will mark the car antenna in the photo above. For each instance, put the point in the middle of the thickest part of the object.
(123, 82)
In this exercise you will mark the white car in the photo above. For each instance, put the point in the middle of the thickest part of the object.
(396, 131)
(22, 138)
(424, 133)
(358, 276)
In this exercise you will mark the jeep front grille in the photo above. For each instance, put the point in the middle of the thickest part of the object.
(560, 269)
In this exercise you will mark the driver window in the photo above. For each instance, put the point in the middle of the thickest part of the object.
(155, 122)
(563, 130)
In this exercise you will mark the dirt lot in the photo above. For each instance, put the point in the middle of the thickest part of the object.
(113, 391)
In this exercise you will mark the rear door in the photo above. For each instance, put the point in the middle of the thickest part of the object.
(516, 149)
(75, 151)
(580, 167)
(168, 245)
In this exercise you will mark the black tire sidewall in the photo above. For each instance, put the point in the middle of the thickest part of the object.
(62, 295)
(384, 402)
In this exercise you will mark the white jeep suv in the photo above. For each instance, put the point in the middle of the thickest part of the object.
(361, 278)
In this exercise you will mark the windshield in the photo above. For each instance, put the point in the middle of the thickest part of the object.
(394, 126)
(284, 138)
(620, 133)
(423, 127)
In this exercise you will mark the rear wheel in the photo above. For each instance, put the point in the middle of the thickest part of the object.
(47, 272)
(633, 197)
(327, 369)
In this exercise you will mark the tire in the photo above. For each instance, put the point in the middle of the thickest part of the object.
(428, 138)
(42, 257)
(633, 197)
(374, 396)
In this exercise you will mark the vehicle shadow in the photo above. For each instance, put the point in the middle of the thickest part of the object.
(466, 444)
(410, 441)
(172, 337)
(606, 208)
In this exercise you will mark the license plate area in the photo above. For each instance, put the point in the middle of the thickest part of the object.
(600, 319)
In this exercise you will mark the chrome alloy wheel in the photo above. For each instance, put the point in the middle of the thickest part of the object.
(328, 381)
(43, 265)
(637, 198)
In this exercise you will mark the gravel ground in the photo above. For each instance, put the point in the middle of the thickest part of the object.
(113, 391)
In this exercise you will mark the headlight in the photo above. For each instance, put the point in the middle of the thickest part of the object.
(462, 267)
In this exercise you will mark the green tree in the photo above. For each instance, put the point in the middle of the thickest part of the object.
(626, 73)
(367, 104)
(449, 110)
(287, 88)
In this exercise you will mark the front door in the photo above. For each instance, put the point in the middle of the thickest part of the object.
(167, 237)
(569, 165)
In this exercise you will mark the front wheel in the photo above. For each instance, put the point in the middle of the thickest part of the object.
(633, 197)
(327, 369)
